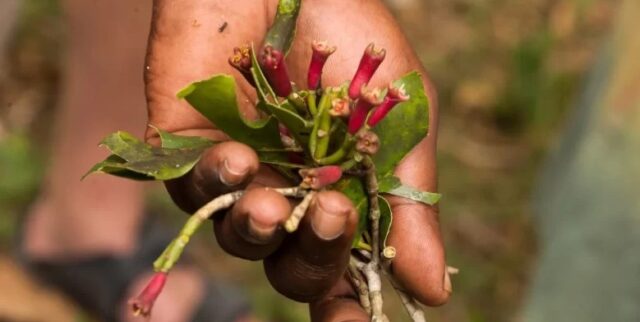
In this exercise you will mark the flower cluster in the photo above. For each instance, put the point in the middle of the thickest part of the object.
(355, 107)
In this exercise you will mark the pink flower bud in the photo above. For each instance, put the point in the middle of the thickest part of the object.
(143, 303)
(241, 61)
(369, 63)
(340, 107)
(275, 70)
(368, 99)
(394, 96)
(321, 52)
(318, 178)
(367, 142)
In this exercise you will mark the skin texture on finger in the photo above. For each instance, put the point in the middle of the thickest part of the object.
(339, 305)
(223, 168)
(74, 218)
(314, 258)
(253, 227)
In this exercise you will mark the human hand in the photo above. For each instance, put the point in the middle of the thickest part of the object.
(186, 44)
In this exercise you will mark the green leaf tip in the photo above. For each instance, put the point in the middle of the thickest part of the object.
(281, 33)
(185, 91)
(131, 158)
(287, 7)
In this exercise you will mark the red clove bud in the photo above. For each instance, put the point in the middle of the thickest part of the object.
(321, 52)
(241, 61)
(143, 303)
(318, 178)
(368, 99)
(275, 70)
(369, 63)
(367, 142)
(340, 107)
(394, 96)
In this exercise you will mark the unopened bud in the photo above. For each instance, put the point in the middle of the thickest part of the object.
(367, 142)
(275, 70)
(321, 52)
(318, 178)
(369, 63)
(241, 61)
(340, 108)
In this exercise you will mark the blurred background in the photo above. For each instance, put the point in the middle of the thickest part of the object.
(508, 74)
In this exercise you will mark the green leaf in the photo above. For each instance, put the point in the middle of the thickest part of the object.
(386, 219)
(353, 188)
(126, 146)
(215, 98)
(172, 141)
(404, 127)
(283, 30)
(428, 198)
(388, 183)
(299, 127)
(392, 185)
(134, 159)
(117, 166)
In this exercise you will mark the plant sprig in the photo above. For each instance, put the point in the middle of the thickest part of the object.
(347, 138)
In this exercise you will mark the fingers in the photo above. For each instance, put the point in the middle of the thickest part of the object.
(419, 264)
(313, 259)
(225, 167)
(339, 305)
(253, 227)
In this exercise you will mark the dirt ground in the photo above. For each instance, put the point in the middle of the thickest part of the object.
(19, 294)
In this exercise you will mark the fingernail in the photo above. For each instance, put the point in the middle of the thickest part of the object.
(231, 176)
(447, 282)
(260, 233)
(329, 219)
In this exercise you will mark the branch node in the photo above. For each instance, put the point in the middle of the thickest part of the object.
(298, 213)
(389, 252)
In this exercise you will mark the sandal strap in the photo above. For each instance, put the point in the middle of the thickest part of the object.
(222, 303)
(100, 283)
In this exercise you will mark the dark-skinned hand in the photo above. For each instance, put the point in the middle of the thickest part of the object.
(186, 45)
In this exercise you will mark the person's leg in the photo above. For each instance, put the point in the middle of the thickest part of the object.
(102, 91)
